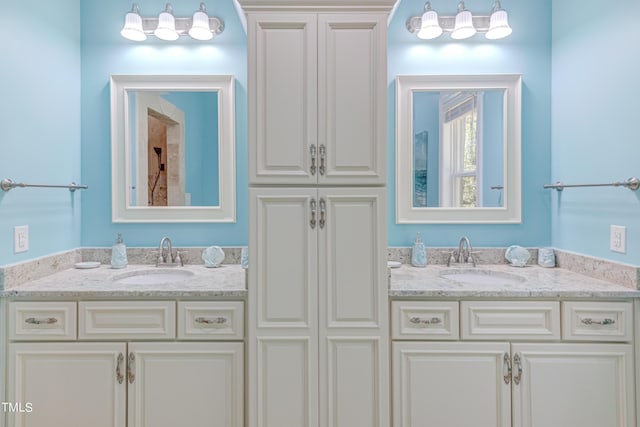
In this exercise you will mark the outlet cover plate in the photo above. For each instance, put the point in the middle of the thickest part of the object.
(20, 238)
(618, 239)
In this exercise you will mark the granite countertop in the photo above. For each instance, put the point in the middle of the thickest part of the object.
(532, 281)
(227, 280)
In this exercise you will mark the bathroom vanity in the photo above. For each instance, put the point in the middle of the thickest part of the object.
(151, 354)
(547, 347)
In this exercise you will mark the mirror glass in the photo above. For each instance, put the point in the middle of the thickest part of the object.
(458, 149)
(173, 148)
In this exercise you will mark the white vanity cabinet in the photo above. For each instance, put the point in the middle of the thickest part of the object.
(123, 366)
(511, 368)
(317, 98)
(317, 308)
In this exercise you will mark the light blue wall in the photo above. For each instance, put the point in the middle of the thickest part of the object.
(40, 125)
(595, 133)
(105, 52)
(528, 52)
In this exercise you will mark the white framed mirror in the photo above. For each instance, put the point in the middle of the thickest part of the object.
(173, 148)
(458, 149)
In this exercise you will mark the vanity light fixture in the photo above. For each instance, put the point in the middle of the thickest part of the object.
(132, 29)
(200, 28)
(166, 26)
(464, 24)
(498, 23)
(166, 29)
(429, 27)
(461, 26)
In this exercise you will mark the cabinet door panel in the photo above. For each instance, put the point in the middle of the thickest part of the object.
(195, 384)
(283, 254)
(287, 382)
(352, 279)
(282, 97)
(352, 97)
(586, 385)
(450, 384)
(67, 384)
(354, 385)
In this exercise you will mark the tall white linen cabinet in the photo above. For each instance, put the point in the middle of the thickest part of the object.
(318, 346)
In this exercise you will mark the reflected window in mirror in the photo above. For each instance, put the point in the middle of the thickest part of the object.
(173, 148)
(458, 149)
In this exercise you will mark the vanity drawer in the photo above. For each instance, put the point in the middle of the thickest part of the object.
(210, 320)
(127, 320)
(597, 321)
(42, 321)
(427, 320)
(510, 320)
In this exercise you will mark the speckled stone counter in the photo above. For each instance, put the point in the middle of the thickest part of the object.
(225, 281)
(531, 281)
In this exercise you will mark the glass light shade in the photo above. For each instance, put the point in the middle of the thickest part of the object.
(498, 25)
(430, 27)
(166, 29)
(463, 28)
(132, 29)
(200, 29)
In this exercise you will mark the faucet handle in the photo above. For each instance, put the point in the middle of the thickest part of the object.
(178, 258)
(452, 258)
(471, 259)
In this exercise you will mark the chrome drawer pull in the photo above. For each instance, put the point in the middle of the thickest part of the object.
(507, 368)
(517, 361)
(312, 150)
(131, 374)
(119, 375)
(605, 321)
(323, 213)
(214, 321)
(421, 321)
(323, 154)
(47, 321)
(312, 206)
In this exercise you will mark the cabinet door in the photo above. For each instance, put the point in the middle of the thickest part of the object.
(282, 94)
(354, 361)
(586, 385)
(352, 98)
(282, 308)
(451, 384)
(189, 384)
(67, 384)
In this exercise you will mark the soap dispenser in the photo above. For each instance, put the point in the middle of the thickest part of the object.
(418, 253)
(119, 253)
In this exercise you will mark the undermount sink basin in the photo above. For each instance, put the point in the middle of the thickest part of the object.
(479, 276)
(152, 277)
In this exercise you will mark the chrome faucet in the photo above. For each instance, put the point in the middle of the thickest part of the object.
(463, 256)
(167, 260)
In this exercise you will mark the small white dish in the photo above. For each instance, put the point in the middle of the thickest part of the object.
(394, 264)
(87, 264)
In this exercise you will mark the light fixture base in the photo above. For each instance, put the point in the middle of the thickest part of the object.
(183, 25)
(480, 22)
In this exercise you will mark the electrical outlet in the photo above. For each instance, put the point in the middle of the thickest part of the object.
(20, 239)
(618, 239)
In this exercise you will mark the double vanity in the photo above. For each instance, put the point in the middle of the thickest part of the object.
(160, 346)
